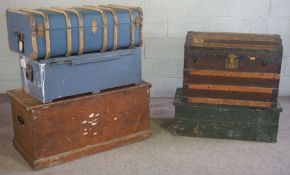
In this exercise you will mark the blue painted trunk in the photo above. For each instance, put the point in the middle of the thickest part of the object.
(51, 79)
(22, 27)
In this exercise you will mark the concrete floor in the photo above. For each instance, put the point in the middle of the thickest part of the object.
(164, 153)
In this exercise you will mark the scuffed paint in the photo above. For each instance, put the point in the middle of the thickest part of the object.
(115, 118)
(84, 122)
(95, 133)
(45, 107)
(139, 116)
(97, 114)
(42, 79)
(91, 115)
(85, 133)
(93, 124)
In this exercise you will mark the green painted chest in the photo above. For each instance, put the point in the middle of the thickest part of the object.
(225, 122)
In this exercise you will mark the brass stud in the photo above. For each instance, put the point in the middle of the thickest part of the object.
(94, 26)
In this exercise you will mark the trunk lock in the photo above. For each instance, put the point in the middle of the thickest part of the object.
(232, 62)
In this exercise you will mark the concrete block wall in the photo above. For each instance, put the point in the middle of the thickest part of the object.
(165, 27)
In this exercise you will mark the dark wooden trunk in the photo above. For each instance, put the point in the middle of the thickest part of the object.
(222, 68)
(225, 122)
(53, 133)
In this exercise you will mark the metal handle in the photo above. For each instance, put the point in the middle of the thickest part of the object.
(29, 72)
(20, 40)
(20, 119)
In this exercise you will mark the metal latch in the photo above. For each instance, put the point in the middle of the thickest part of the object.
(20, 40)
(29, 72)
(232, 62)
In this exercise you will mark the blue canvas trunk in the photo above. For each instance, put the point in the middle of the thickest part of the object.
(54, 32)
(51, 79)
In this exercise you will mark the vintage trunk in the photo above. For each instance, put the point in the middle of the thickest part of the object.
(52, 32)
(232, 68)
(225, 122)
(51, 79)
(51, 134)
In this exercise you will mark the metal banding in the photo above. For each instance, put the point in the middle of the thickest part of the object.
(140, 11)
(46, 30)
(115, 24)
(68, 27)
(131, 20)
(104, 19)
(81, 33)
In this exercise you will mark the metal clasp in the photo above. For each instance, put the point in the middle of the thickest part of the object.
(20, 40)
(232, 62)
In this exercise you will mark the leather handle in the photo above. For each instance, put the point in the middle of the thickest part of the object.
(194, 58)
(264, 62)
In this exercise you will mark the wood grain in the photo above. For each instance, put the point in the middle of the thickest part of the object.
(228, 102)
(216, 73)
(213, 87)
(57, 128)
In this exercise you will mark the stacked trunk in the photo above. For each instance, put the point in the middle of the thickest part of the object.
(232, 72)
(81, 77)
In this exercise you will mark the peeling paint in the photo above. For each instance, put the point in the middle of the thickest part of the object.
(139, 116)
(34, 117)
(93, 124)
(45, 107)
(97, 114)
(85, 133)
(91, 115)
(84, 122)
(95, 133)
(72, 118)
(85, 129)
(42, 79)
(115, 118)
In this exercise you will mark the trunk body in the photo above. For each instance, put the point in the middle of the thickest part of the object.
(232, 68)
(50, 134)
(225, 122)
(51, 79)
(54, 32)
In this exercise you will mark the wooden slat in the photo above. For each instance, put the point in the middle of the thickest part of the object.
(235, 36)
(228, 102)
(237, 45)
(214, 87)
(216, 73)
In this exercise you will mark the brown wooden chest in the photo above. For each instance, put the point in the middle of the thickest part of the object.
(232, 68)
(53, 133)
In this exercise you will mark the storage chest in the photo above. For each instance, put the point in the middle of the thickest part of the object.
(53, 32)
(225, 122)
(50, 134)
(232, 68)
